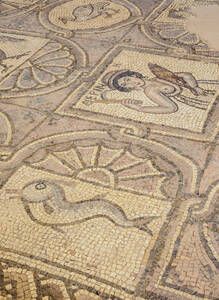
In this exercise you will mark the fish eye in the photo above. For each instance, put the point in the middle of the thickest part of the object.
(40, 186)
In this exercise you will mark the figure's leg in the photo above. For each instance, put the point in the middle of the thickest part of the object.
(158, 93)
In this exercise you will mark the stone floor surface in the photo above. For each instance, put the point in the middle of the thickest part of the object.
(109, 152)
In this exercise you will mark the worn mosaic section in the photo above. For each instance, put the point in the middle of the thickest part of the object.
(108, 151)
(167, 25)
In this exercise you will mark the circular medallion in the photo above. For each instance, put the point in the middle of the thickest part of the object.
(91, 15)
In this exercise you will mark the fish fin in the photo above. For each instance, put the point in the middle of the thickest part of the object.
(48, 209)
(142, 222)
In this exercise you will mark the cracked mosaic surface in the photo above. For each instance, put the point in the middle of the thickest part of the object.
(108, 151)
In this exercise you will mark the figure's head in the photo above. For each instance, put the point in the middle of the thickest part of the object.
(125, 81)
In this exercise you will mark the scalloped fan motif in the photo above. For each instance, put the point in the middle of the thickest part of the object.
(47, 66)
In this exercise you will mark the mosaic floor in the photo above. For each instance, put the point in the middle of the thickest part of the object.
(109, 150)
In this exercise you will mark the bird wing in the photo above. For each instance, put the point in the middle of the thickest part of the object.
(164, 74)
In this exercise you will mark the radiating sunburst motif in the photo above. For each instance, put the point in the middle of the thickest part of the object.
(100, 165)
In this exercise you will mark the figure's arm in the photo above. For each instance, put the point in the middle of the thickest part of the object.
(193, 84)
(165, 105)
(189, 79)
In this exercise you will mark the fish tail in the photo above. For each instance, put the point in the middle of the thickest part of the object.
(142, 222)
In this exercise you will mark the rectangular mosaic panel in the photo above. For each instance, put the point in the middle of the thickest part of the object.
(101, 99)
